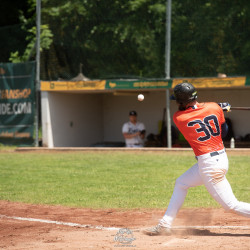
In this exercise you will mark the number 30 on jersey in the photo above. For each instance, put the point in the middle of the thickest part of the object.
(209, 126)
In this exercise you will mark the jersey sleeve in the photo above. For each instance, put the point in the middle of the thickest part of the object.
(221, 114)
(141, 127)
(125, 128)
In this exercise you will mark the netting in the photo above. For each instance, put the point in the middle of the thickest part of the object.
(12, 39)
(106, 39)
(100, 41)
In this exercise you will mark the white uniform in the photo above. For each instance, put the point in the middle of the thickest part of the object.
(131, 128)
(201, 125)
(209, 171)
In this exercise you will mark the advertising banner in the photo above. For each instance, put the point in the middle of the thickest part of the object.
(147, 84)
(72, 86)
(213, 82)
(17, 98)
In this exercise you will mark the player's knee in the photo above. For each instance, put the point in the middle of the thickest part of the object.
(179, 183)
(232, 206)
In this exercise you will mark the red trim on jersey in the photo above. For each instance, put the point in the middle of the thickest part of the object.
(201, 127)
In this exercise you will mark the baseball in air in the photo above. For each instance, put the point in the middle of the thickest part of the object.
(140, 97)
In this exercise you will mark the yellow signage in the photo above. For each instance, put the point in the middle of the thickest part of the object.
(215, 82)
(67, 86)
(15, 93)
(150, 84)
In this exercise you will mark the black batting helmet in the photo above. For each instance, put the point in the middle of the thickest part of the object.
(184, 93)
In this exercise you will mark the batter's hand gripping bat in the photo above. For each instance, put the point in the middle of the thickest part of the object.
(227, 107)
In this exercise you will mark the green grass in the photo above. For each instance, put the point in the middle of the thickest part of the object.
(4, 147)
(107, 179)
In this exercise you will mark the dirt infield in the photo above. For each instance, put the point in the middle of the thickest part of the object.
(121, 229)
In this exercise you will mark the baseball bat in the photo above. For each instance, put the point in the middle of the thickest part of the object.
(240, 108)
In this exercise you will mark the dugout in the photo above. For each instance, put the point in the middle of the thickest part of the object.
(91, 113)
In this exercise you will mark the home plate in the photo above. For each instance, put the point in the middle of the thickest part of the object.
(176, 241)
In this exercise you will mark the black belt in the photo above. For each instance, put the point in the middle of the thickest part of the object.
(216, 153)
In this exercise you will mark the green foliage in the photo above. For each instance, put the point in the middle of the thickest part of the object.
(107, 179)
(45, 42)
(209, 37)
(126, 34)
(29, 27)
(127, 38)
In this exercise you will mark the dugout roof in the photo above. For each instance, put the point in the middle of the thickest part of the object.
(147, 84)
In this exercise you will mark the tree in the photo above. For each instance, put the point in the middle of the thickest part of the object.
(110, 38)
(120, 38)
(210, 37)
(29, 27)
(29, 53)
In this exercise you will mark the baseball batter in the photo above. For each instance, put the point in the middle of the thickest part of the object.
(203, 125)
(134, 131)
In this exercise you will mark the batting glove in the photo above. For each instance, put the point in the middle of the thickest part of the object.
(225, 106)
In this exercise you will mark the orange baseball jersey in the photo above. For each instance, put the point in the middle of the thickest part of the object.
(201, 126)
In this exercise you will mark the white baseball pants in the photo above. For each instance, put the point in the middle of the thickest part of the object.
(209, 171)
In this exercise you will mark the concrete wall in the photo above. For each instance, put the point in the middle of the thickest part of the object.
(78, 120)
(150, 111)
(116, 112)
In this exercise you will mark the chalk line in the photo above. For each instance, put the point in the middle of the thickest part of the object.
(70, 224)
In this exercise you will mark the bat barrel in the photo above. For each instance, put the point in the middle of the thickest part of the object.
(240, 108)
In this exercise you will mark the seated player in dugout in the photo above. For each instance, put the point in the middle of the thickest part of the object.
(134, 131)
(203, 125)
